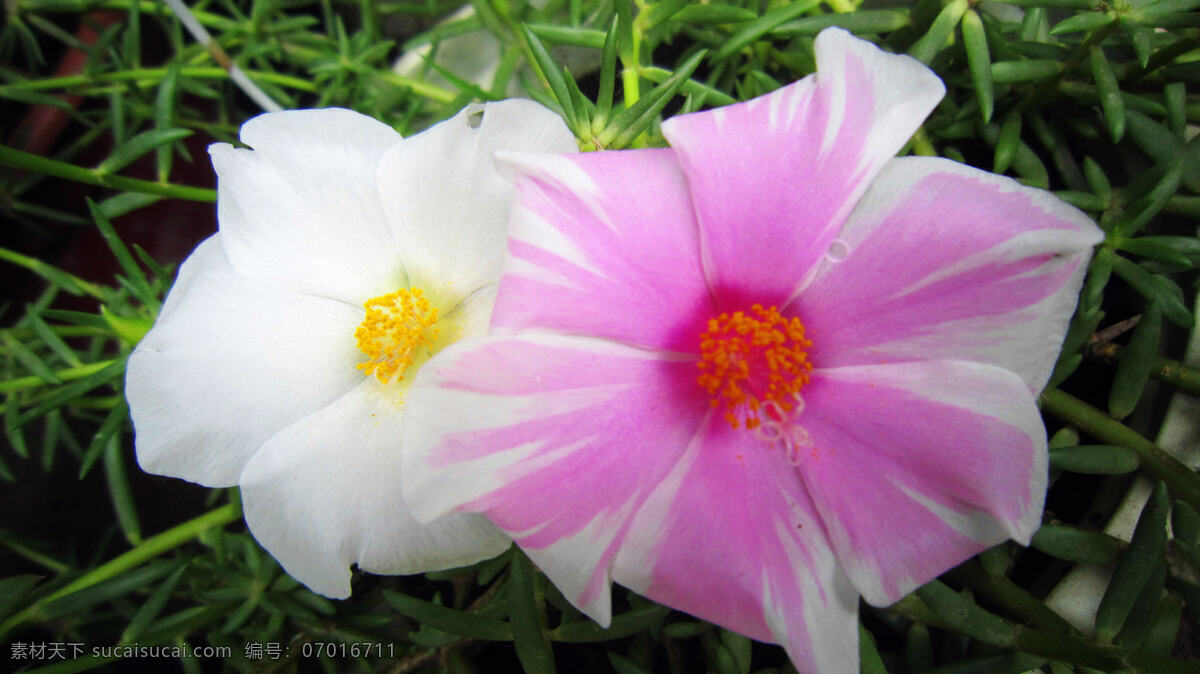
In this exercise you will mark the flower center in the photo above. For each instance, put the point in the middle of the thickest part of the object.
(754, 363)
(397, 330)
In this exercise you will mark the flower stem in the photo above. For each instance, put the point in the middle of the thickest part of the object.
(39, 164)
(66, 374)
(151, 76)
(1159, 465)
(149, 549)
(1182, 376)
(1016, 602)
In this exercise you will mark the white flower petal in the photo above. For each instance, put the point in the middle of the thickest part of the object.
(228, 364)
(325, 493)
(301, 211)
(447, 201)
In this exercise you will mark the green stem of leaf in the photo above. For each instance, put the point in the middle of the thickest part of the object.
(32, 162)
(149, 549)
(1183, 482)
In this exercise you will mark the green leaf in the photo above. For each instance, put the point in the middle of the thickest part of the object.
(1135, 566)
(659, 13)
(738, 648)
(623, 625)
(1145, 607)
(120, 492)
(713, 15)
(137, 277)
(979, 61)
(1154, 138)
(918, 649)
(1185, 525)
(1076, 545)
(1155, 287)
(1095, 459)
(1110, 94)
(994, 663)
(1081, 200)
(939, 32)
(1184, 250)
(72, 391)
(859, 22)
(967, 617)
(1140, 212)
(608, 79)
(130, 330)
(550, 72)
(752, 30)
(14, 590)
(112, 423)
(71, 284)
(569, 35)
(164, 118)
(1030, 168)
(1135, 362)
(153, 606)
(28, 358)
(1081, 22)
(1175, 101)
(686, 629)
(626, 126)
(1099, 272)
(462, 623)
(869, 660)
(1142, 39)
(52, 341)
(1097, 181)
(622, 665)
(1012, 72)
(1164, 627)
(710, 95)
(1007, 143)
(527, 617)
(136, 147)
(122, 585)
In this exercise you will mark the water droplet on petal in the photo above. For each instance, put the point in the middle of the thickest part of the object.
(838, 251)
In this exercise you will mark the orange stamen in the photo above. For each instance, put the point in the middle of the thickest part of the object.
(753, 363)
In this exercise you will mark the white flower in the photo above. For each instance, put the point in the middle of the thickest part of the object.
(280, 362)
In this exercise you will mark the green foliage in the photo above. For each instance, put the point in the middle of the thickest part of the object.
(1094, 100)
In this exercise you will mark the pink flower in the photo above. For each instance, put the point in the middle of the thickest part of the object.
(765, 371)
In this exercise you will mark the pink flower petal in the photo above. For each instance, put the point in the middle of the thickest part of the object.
(940, 260)
(603, 244)
(602, 462)
(559, 443)
(733, 537)
(773, 179)
(916, 467)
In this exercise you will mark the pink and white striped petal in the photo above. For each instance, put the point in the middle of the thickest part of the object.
(301, 210)
(604, 244)
(916, 467)
(324, 493)
(558, 439)
(943, 261)
(733, 537)
(773, 179)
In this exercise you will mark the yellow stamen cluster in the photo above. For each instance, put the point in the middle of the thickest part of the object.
(750, 358)
(397, 327)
